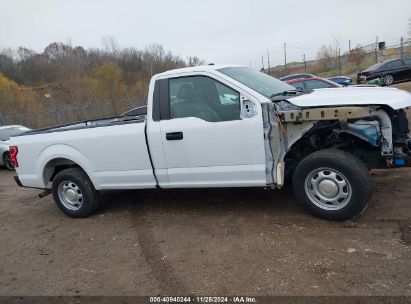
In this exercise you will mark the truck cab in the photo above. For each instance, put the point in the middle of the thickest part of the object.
(205, 130)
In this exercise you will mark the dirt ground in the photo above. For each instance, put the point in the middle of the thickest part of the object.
(205, 242)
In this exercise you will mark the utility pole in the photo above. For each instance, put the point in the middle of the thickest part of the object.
(55, 108)
(402, 48)
(339, 59)
(349, 45)
(305, 64)
(268, 62)
(285, 56)
(262, 62)
(376, 50)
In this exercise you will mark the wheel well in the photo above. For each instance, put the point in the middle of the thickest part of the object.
(57, 165)
(326, 138)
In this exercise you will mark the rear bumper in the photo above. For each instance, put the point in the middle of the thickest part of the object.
(17, 180)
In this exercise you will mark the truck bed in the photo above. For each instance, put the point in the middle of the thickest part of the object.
(113, 151)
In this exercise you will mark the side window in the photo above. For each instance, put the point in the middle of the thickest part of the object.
(397, 64)
(317, 84)
(407, 61)
(298, 85)
(387, 66)
(204, 98)
(226, 95)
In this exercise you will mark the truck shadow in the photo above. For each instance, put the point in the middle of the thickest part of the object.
(222, 200)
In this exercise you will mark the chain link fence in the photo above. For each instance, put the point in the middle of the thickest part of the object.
(340, 64)
(62, 114)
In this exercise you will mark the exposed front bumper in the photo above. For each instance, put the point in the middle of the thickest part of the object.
(365, 78)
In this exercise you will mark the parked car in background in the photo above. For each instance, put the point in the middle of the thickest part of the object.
(341, 80)
(5, 133)
(296, 76)
(8, 131)
(390, 71)
(5, 159)
(312, 83)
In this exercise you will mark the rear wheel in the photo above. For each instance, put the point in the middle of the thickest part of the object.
(388, 79)
(74, 193)
(332, 184)
(7, 161)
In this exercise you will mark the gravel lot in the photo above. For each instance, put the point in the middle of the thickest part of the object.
(205, 242)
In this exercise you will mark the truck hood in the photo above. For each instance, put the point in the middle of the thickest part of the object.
(359, 96)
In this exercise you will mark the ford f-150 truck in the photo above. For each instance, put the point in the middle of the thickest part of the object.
(226, 126)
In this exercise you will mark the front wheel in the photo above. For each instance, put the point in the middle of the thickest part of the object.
(332, 184)
(7, 161)
(388, 79)
(74, 193)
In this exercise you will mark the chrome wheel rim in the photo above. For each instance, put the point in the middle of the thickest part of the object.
(70, 195)
(328, 189)
(7, 161)
(388, 79)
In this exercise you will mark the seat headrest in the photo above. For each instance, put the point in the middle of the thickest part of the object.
(186, 91)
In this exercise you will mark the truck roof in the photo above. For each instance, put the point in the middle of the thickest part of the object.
(200, 68)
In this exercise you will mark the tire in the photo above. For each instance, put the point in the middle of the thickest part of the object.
(332, 184)
(7, 161)
(74, 193)
(388, 79)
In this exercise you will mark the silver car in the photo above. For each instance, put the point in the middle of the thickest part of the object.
(5, 133)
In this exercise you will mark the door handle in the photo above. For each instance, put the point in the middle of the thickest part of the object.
(174, 136)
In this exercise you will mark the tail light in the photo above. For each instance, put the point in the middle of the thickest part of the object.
(14, 150)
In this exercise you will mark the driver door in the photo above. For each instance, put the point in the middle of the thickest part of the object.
(206, 140)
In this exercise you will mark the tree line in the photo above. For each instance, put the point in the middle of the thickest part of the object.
(75, 75)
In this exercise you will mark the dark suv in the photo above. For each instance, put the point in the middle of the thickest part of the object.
(390, 71)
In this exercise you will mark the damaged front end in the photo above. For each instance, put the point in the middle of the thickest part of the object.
(378, 135)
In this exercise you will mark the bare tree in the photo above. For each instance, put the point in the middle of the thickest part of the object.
(356, 56)
(328, 54)
(110, 45)
(194, 61)
(74, 76)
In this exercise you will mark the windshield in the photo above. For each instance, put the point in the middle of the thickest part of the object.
(374, 67)
(260, 82)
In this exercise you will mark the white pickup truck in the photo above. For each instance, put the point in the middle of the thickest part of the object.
(226, 126)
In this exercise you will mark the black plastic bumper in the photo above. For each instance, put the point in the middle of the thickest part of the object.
(17, 180)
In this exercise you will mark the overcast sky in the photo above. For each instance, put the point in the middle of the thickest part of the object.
(219, 31)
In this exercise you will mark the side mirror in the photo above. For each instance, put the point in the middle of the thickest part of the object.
(247, 109)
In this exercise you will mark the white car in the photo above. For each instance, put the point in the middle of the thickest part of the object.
(226, 126)
(5, 133)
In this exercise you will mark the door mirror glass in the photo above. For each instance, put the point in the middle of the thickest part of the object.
(247, 109)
